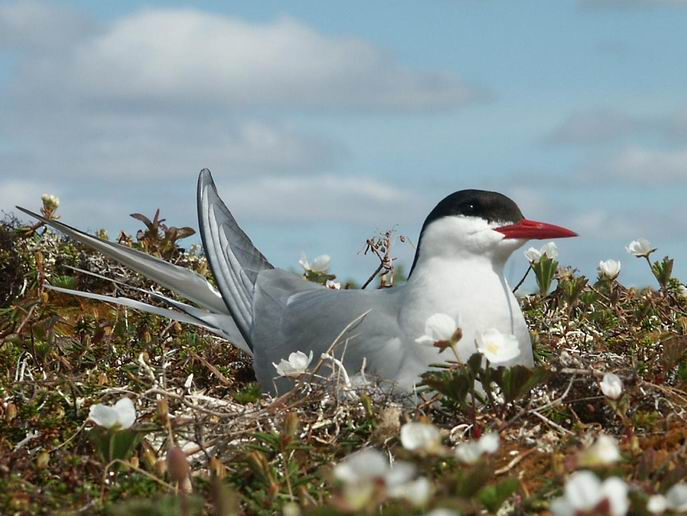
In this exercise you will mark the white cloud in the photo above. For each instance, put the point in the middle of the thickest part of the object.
(36, 26)
(606, 126)
(228, 62)
(650, 167)
(180, 59)
(161, 93)
(327, 197)
(596, 127)
(152, 147)
(602, 224)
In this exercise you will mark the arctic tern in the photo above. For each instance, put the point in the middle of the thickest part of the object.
(270, 313)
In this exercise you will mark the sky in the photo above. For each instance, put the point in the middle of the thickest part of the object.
(326, 123)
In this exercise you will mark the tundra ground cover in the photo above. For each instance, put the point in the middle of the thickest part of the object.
(598, 427)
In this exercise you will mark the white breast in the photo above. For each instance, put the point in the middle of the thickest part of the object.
(472, 291)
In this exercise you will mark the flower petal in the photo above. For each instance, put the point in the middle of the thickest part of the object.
(126, 413)
(533, 255)
(489, 443)
(550, 249)
(420, 436)
(497, 347)
(102, 415)
(677, 497)
(583, 490)
(320, 263)
(612, 386)
(468, 452)
(361, 466)
(615, 491)
(440, 326)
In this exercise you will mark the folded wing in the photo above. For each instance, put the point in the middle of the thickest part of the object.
(234, 260)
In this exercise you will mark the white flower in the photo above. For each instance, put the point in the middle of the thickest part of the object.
(533, 255)
(550, 250)
(675, 500)
(489, 443)
(640, 248)
(657, 504)
(609, 268)
(611, 386)
(296, 365)
(468, 452)
(682, 291)
(189, 381)
(497, 347)
(364, 465)
(417, 492)
(418, 436)
(603, 452)
(471, 451)
(584, 492)
(118, 417)
(677, 497)
(334, 285)
(441, 511)
(50, 201)
(319, 264)
(364, 471)
(438, 327)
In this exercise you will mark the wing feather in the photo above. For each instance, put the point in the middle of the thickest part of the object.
(184, 282)
(234, 260)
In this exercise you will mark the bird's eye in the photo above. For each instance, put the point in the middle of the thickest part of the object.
(469, 208)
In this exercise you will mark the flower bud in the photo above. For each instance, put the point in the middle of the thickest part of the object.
(217, 469)
(10, 412)
(163, 410)
(42, 460)
(177, 465)
(292, 424)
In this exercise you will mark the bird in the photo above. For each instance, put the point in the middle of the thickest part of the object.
(270, 313)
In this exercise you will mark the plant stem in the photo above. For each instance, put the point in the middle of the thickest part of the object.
(529, 268)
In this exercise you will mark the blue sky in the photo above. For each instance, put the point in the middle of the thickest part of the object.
(325, 123)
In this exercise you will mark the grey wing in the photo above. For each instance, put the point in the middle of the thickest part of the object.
(234, 260)
(220, 324)
(184, 282)
(292, 314)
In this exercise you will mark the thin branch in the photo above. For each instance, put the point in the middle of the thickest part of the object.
(529, 268)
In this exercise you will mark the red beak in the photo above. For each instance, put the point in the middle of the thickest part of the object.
(531, 229)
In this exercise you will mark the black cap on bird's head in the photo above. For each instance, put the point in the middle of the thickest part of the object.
(491, 206)
(490, 211)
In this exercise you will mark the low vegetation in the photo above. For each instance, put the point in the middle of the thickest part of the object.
(603, 412)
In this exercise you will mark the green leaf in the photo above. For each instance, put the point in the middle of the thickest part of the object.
(184, 232)
(663, 271)
(519, 380)
(159, 506)
(493, 496)
(472, 480)
(64, 282)
(475, 363)
(545, 270)
(142, 218)
(249, 394)
(454, 384)
(112, 444)
(573, 288)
